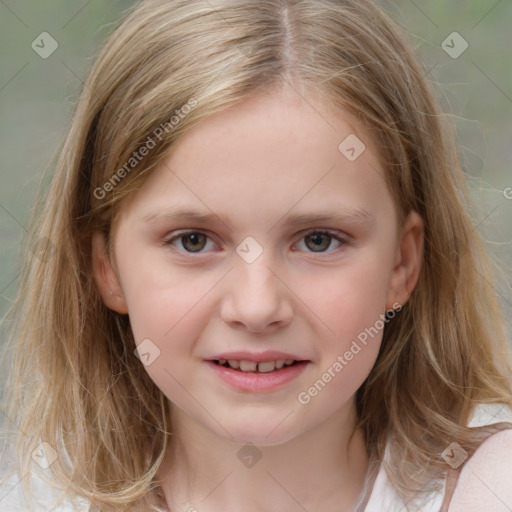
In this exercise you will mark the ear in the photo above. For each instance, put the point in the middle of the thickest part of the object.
(408, 261)
(104, 275)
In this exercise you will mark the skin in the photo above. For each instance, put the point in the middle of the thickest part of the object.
(252, 165)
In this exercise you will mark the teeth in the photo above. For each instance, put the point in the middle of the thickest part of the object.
(268, 366)
(252, 366)
(248, 366)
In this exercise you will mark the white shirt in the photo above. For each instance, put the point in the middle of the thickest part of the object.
(383, 498)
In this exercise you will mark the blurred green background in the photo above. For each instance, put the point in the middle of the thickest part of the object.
(37, 97)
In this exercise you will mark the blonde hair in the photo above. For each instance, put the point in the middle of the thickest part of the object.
(75, 382)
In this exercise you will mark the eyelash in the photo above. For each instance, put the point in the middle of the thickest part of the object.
(327, 232)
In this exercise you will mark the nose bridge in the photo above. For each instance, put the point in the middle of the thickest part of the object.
(256, 297)
(252, 273)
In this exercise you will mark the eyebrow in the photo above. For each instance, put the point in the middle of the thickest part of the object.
(345, 214)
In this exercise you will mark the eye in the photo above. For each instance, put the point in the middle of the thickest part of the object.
(191, 241)
(320, 240)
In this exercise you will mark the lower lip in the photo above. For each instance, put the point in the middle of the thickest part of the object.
(257, 382)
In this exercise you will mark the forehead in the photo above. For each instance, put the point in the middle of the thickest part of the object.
(266, 156)
(282, 128)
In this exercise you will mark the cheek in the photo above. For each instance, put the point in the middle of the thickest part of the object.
(351, 304)
(158, 297)
(346, 358)
(350, 298)
(165, 325)
(167, 314)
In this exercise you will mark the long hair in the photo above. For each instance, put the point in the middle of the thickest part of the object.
(75, 382)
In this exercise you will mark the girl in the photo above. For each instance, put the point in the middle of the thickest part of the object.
(257, 286)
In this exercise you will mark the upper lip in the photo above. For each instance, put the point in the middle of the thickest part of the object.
(257, 357)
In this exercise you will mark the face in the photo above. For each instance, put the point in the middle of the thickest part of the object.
(259, 241)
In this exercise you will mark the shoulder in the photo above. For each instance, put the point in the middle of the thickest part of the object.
(484, 481)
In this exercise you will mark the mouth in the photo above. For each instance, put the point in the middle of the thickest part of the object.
(257, 372)
(245, 366)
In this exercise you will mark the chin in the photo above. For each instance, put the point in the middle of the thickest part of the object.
(259, 433)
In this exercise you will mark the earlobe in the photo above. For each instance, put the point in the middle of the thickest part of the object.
(408, 261)
(104, 275)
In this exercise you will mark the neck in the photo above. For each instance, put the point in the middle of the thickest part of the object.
(321, 469)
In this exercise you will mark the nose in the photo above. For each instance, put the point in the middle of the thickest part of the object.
(256, 298)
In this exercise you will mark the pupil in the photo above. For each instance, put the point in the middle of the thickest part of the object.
(317, 240)
(195, 239)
